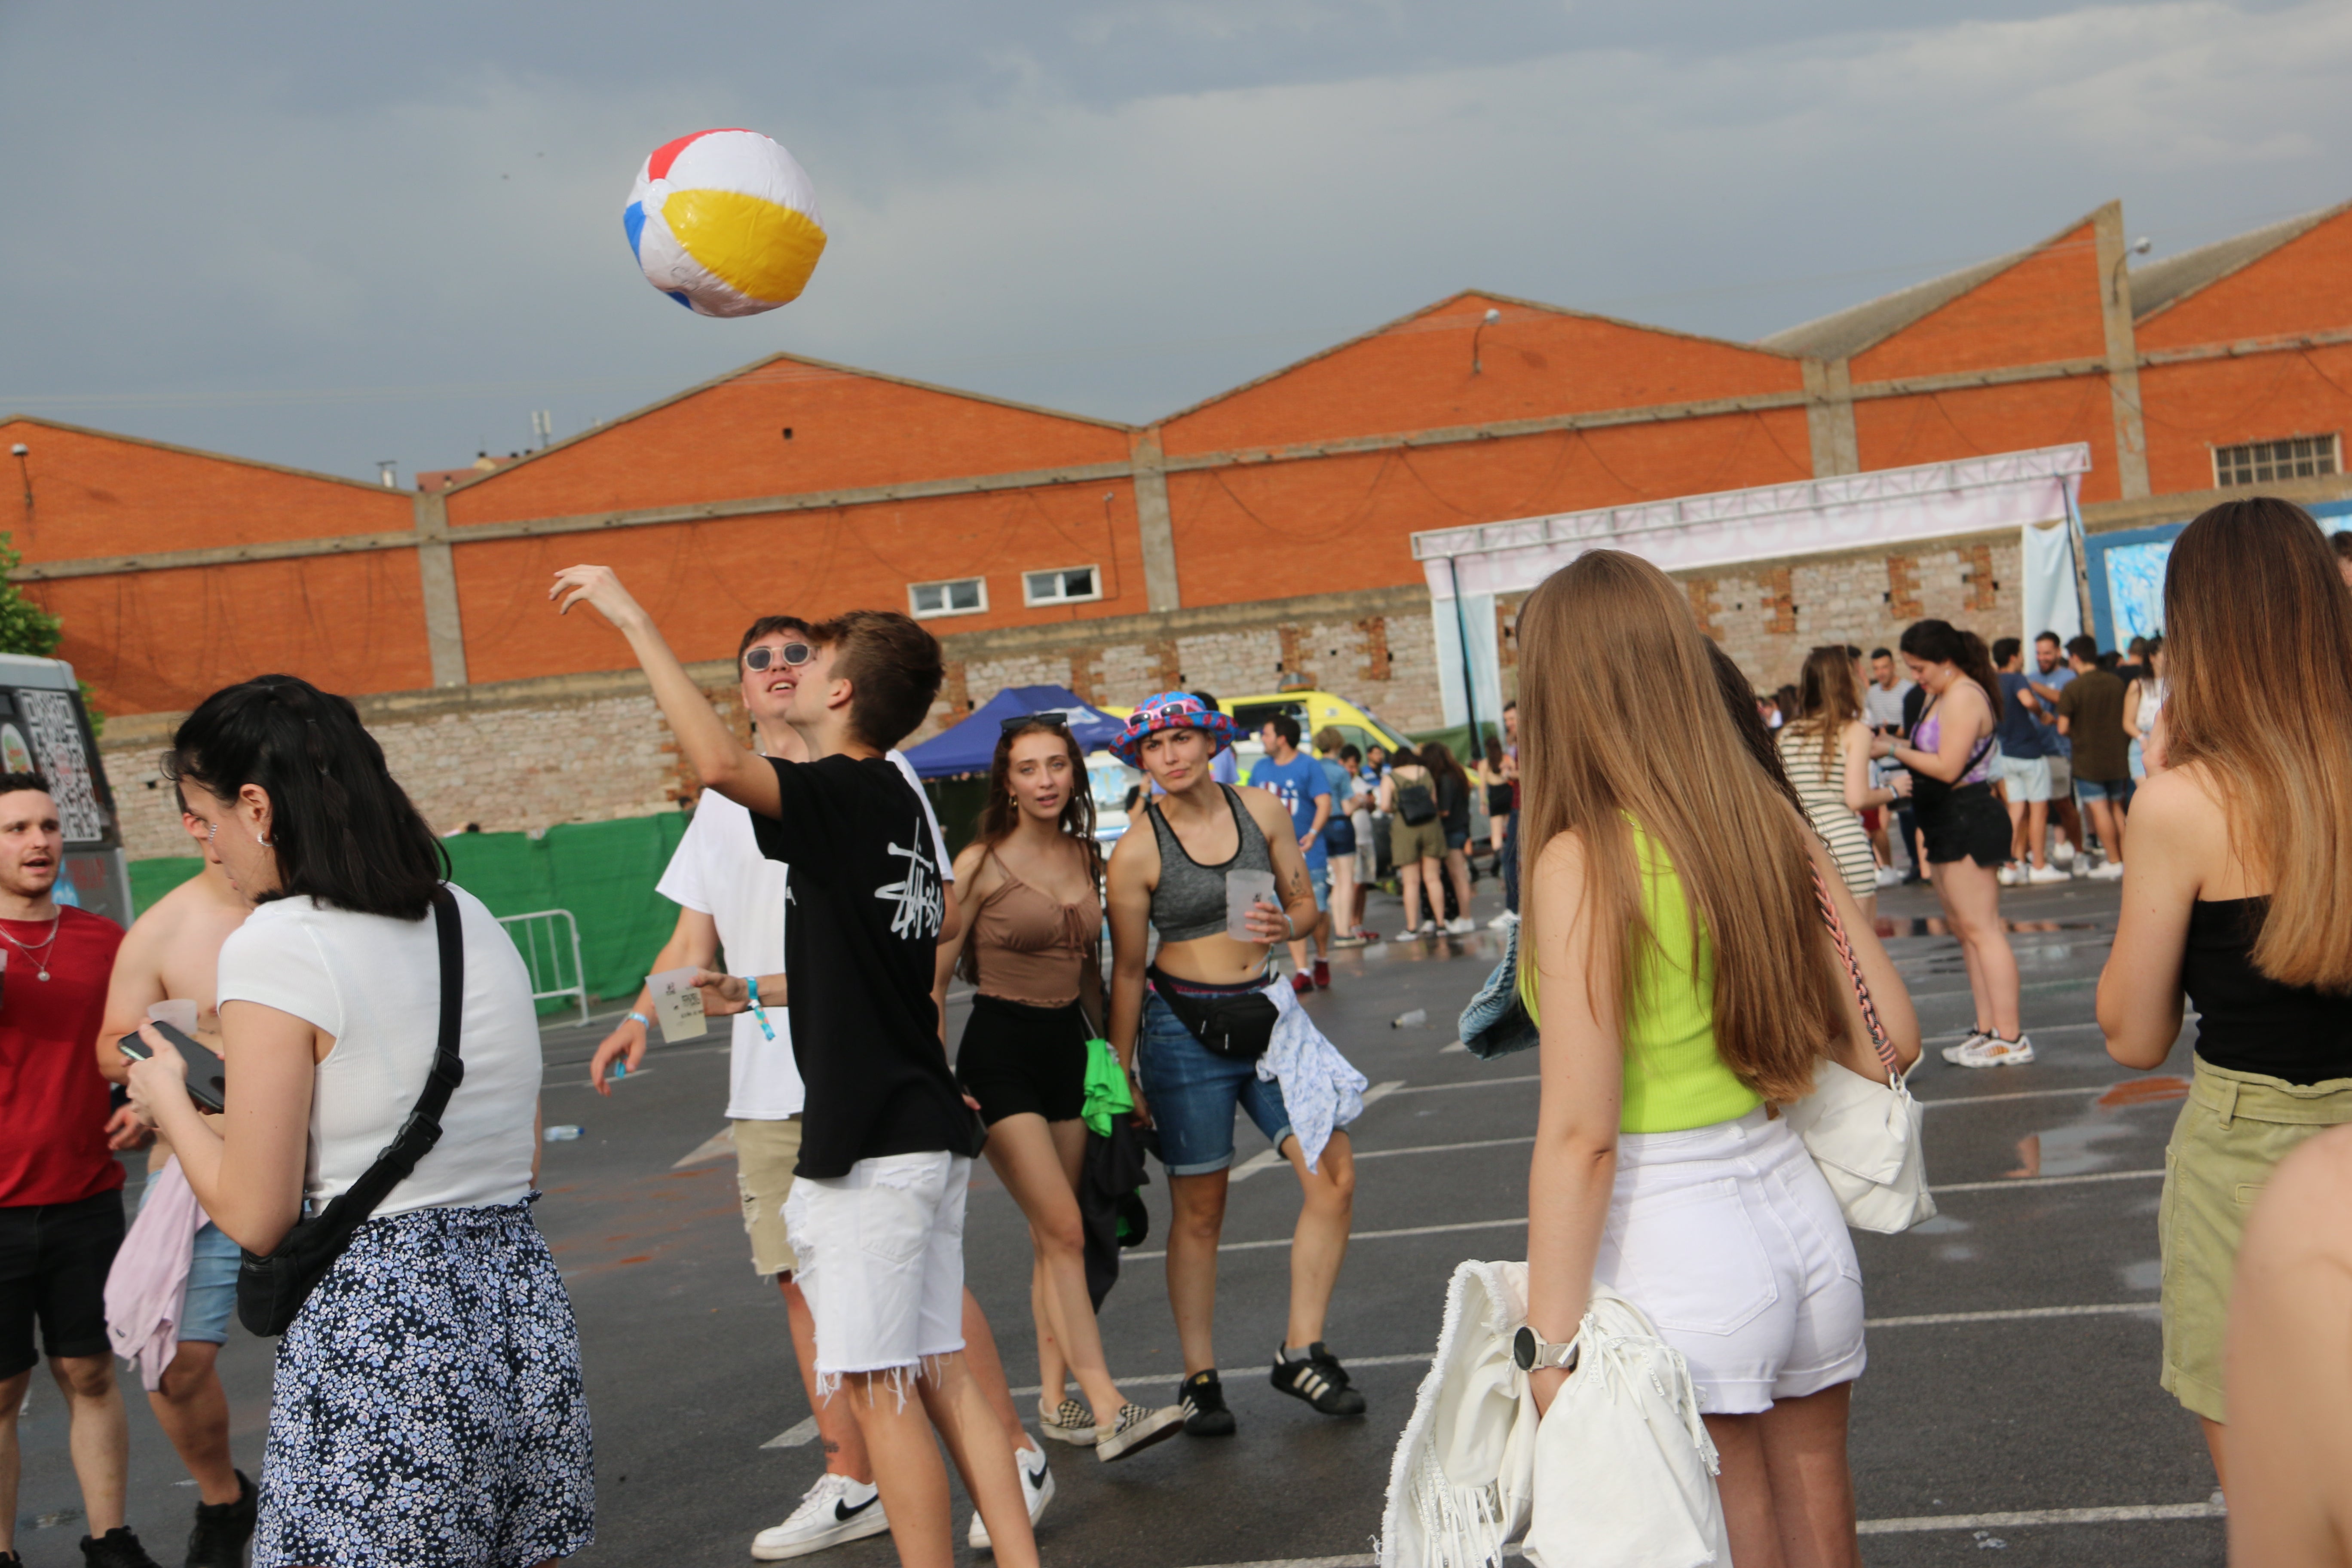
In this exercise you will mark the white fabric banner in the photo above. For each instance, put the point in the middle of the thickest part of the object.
(2052, 603)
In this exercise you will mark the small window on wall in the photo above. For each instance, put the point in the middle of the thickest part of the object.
(1061, 586)
(959, 597)
(2261, 462)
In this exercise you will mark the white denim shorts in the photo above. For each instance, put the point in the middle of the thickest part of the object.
(1729, 1240)
(881, 1262)
(2027, 779)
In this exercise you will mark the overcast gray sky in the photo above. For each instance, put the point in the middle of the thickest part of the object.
(329, 234)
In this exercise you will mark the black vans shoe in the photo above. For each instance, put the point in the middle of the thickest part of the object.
(1205, 1415)
(1319, 1380)
(223, 1528)
(118, 1548)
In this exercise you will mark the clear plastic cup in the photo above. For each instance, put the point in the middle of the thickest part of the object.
(1244, 889)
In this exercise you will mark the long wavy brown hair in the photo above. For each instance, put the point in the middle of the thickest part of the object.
(1828, 701)
(999, 817)
(2258, 641)
(1621, 721)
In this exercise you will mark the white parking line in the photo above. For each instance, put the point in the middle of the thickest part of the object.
(1359, 1236)
(1979, 1521)
(1266, 1158)
(1474, 1083)
(2044, 1180)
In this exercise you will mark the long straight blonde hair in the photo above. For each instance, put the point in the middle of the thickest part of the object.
(1622, 721)
(2258, 690)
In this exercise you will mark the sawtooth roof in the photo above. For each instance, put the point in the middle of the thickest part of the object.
(2159, 283)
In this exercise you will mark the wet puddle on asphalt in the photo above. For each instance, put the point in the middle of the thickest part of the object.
(2076, 1147)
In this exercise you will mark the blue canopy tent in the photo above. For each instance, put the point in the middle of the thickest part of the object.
(969, 747)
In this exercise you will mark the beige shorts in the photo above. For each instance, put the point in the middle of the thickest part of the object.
(1409, 842)
(2235, 1129)
(765, 1153)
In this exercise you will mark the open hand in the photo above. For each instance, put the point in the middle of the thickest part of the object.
(597, 587)
(626, 1045)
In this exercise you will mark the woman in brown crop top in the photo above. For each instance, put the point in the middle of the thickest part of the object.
(1031, 947)
(2239, 897)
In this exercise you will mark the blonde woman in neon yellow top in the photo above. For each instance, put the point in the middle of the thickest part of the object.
(1676, 961)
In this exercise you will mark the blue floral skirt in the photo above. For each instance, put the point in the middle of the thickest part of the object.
(427, 1409)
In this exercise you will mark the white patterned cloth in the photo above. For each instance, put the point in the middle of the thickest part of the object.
(1321, 1088)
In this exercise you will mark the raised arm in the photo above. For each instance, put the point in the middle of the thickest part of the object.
(716, 757)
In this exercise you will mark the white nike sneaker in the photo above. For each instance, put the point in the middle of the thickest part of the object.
(835, 1509)
(1973, 1037)
(1036, 1485)
(1992, 1051)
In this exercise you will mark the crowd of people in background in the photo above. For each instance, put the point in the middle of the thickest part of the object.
(1698, 940)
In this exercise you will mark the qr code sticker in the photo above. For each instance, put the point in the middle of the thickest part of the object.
(63, 760)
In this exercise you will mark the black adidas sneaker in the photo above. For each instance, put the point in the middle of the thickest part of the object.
(1319, 1380)
(1205, 1415)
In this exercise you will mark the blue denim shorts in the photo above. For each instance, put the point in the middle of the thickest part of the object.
(212, 1283)
(2116, 790)
(1193, 1092)
(1319, 880)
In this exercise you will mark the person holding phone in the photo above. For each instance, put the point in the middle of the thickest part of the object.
(428, 1405)
(1173, 880)
(1030, 948)
(60, 1186)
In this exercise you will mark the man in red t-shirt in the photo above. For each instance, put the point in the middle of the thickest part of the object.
(60, 1187)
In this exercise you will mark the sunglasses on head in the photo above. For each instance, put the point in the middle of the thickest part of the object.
(1060, 720)
(792, 656)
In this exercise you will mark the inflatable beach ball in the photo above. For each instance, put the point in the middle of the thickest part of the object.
(725, 223)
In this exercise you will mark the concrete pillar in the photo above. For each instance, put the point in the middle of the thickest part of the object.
(436, 572)
(1828, 419)
(2123, 350)
(1153, 521)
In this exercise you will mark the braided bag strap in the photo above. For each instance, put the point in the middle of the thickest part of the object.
(1853, 972)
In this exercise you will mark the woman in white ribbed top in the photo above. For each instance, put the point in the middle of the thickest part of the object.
(428, 1405)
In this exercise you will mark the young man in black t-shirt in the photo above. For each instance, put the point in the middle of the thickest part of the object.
(877, 1213)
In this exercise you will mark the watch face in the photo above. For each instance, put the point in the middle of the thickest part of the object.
(1523, 1348)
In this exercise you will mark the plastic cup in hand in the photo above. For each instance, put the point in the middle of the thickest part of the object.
(677, 1005)
(1243, 891)
(179, 1015)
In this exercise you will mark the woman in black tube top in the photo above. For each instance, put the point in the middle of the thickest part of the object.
(2240, 896)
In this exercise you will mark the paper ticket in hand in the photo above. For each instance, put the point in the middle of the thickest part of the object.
(678, 1006)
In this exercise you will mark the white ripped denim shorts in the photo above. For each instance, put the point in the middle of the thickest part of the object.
(881, 1262)
(1728, 1237)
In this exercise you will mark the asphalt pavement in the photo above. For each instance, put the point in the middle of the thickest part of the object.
(2010, 1402)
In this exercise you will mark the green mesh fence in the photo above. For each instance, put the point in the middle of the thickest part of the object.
(604, 872)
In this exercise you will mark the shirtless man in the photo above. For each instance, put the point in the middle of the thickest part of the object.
(172, 953)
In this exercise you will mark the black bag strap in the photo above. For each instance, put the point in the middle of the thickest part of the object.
(422, 1130)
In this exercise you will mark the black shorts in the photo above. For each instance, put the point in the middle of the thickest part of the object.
(1015, 1057)
(53, 1259)
(1963, 824)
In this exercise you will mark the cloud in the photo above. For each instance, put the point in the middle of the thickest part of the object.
(1115, 209)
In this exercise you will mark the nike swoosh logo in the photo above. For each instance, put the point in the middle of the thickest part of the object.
(842, 1513)
(1039, 1479)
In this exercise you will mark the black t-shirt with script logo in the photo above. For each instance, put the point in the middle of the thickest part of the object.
(860, 946)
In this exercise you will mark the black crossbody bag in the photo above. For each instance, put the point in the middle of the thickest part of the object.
(1237, 1025)
(270, 1290)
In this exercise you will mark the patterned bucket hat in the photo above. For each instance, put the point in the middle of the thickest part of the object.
(1171, 710)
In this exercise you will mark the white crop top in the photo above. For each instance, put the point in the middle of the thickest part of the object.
(374, 983)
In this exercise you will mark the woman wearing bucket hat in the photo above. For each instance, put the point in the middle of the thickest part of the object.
(1205, 1029)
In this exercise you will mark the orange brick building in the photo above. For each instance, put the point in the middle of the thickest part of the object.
(1098, 554)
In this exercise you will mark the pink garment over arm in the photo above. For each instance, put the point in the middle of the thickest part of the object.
(147, 1290)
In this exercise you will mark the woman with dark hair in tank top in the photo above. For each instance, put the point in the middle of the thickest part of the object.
(1187, 1035)
(1031, 951)
(2240, 896)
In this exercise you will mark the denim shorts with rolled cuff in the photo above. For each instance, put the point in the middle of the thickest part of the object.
(1319, 879)
(1192, 1092)
(2116, 790)
(213, 1262)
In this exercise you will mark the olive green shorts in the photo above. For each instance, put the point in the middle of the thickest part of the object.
(1410, 842)
(2235, 1127)
(765, 1153)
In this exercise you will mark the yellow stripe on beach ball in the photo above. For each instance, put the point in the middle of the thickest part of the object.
(753, 246)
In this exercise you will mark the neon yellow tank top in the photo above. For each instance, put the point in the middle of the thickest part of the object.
(1675, 1078)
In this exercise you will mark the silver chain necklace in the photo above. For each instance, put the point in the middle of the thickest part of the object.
(40, 961)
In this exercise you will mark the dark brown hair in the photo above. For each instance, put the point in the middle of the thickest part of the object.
(893, 667)
(768, 627)
(1941, 642)
(2258, 632)
(999, 815)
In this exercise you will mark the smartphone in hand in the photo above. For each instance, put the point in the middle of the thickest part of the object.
(208, 1077)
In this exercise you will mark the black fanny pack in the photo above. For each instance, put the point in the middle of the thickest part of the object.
(270, 1290)
(1235, 1025)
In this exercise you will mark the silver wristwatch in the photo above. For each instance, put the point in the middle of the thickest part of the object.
(1532, 1355)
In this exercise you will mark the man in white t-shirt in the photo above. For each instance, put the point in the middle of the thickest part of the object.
(730, 895)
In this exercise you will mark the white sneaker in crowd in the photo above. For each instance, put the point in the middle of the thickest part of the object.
(1992, 1051)
(2061, 850)
(835, 1509)
(1461, 925)
(1069, 1421)
(2041, 874)
(1973, 1037)
(1504, 922)
(2009, 875)
(2113, 871)
(1036, 1486)
(1888, 876)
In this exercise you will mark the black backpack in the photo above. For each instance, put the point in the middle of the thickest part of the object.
(1414, 802)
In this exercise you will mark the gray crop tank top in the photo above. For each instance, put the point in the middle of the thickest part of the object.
(1190, 901)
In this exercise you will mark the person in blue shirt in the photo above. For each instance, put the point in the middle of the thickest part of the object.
(2024, 769)
(1299, 782)
(2049, 675)
(1224, 767)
